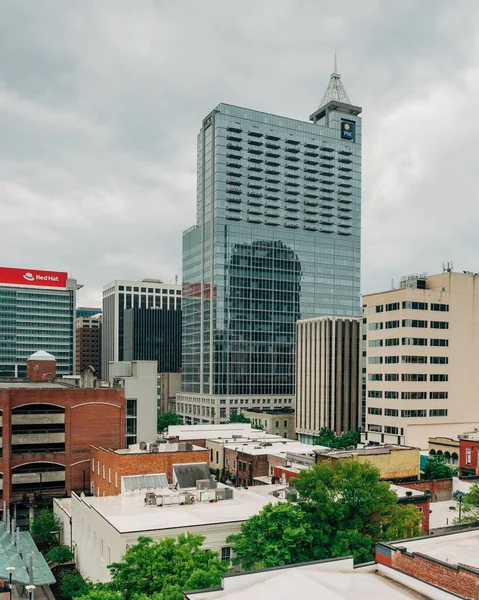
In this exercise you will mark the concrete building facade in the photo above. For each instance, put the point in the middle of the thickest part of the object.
(139, 381)
(277, 421)
(118, 297)
(327, 375)
(421, 346)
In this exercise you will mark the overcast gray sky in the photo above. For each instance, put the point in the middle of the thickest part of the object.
(101, 102)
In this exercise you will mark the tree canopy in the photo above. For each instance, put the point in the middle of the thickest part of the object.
(164, 420)
(239, 418)
(164, 569)
(470, 506)
(328, 438)
(48, 526)
(340, 510)
(436, 468)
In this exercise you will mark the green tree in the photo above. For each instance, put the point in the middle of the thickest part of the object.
(73, 585)
(470, 506)
(164, 569)
(59, 554)
(239, 418)
(436, 468)
(166, 419)
(328, 438)
(100, 593)
(48, 526)
(279, 535)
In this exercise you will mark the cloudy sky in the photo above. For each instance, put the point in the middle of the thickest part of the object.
(101, 101)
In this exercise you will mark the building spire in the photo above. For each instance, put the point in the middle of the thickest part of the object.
(335, 63)
(335, 90)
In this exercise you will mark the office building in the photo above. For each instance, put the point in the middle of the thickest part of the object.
(118, 297)
(139, 380)
(421, 346)
(48, 427)
(37, 312)
(277, 238)
(278, 421)
(327, 375)
(86, 311)
(153, 334)
(88, 343)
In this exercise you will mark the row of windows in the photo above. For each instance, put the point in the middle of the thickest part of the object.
(408, 323)
(411, 377)
(143, 290)
(409, 305)
(394, 412)
(405, 341)
(406, 359)
(409, 395)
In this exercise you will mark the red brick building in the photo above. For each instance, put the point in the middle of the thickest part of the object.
(88, 344)
(468, 454)
(47, 428)
(109, 466)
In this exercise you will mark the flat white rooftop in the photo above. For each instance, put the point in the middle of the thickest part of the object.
(275, 447)
(462, 547)
(332, 580)
(128, 513)
(191, 432)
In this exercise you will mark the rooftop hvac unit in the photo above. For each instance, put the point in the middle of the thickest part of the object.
(189, 498)
(213, 483)
(150, 499)
(228, 493)
(220, 494)
(182, 447)
(142, 445)
(188, 446)
(154, 448)
(203, 484)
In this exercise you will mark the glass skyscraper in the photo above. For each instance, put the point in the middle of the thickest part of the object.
(277, 239)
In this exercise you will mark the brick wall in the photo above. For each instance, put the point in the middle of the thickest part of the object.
(468, 456)
(441, 489)
(108, 463)
(92, 417)
(458, 579)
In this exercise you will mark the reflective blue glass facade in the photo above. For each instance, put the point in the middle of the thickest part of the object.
(277, 239)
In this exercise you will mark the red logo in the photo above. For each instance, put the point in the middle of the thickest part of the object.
(35, 278)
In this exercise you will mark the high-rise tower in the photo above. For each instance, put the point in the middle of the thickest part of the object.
(277, 239)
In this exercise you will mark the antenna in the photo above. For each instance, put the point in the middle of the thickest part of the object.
(335, 63)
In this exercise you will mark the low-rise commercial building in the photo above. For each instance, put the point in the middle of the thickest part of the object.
(395, 463)
(469, 454)
(278, 421)
(445, 447)
(104, 527)
(108, 467)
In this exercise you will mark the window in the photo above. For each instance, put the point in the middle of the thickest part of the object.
(413, 395)
(439, 377)
(375, 360)
(131, 422)
(234, 465)
(438, 412)
(440, 307)
(439, 360)
(109, 475)
(375, 394)
(392, 342)
(217, 457)
(101, 548)
(391, 377)
(375, 343)
(98, 467)
(375, 377)
(468, 456)
(103, 471)
(108, 555)
(391, 395)
(375, 326)
(389, 429)
(415, 305)
(414, 377)
(413, 413)
(391, 412)
(392, 306)
(93, 465)
(413, 323)
(372, 410)
(438, 395)
(409, 341)
(392, 324)
(373, 427)
(226, 554)
(439, 342)
(391, 360)
(414, 360)
(116, 479)
(211, 454)
(439, 325)
(277, 424)
(285, 424)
